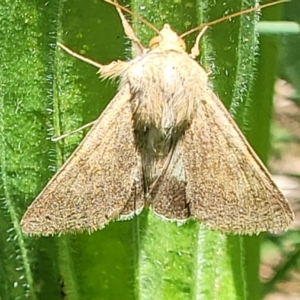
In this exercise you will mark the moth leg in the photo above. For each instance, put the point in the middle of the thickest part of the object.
(112, 70)
(85, 59)
(137, 45)
(195, 51)
(60, 137)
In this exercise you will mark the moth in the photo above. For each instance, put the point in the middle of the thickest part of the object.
(165, 141)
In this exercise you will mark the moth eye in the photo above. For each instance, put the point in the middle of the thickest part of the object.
(154, 43)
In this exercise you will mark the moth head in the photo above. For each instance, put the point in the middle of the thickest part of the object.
(166, 39)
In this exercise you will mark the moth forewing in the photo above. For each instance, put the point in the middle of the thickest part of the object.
(165, 141)
(99, 182)
(228, 187)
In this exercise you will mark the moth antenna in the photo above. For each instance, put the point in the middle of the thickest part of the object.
(138, 17)
(232, 16)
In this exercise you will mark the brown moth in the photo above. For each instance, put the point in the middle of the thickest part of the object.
(164, 141)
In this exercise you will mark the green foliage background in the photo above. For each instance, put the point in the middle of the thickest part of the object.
(45, 92)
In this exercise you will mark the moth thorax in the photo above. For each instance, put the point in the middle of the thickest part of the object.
(162, 115)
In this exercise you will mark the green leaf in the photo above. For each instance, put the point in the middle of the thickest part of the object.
(45, 92)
